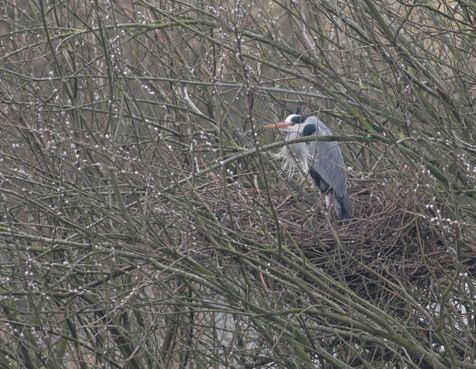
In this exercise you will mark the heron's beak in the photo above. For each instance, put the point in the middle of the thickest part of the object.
(278, 125)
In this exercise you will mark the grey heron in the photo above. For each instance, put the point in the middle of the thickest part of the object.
(322, 161)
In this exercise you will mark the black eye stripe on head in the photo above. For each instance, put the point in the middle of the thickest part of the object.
(298, 119)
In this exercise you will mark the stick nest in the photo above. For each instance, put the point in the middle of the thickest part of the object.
(389, 243)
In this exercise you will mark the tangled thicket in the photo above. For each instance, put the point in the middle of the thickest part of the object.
(147, 225)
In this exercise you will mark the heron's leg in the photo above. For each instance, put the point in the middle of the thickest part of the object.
(329, 201)
(329, 206)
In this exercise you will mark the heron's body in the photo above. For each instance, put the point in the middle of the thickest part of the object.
(322, 161)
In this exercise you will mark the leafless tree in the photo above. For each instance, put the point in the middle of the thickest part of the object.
(146, 223)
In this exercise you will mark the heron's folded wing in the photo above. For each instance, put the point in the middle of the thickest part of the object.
(326, 159)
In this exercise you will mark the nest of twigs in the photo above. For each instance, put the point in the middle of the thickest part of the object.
(389, 242)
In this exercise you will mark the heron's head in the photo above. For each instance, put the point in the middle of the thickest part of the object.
(297, 125)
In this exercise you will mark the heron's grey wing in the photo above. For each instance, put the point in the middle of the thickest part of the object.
(326, 159)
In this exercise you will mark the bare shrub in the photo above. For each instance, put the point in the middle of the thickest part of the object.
(146, 224)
